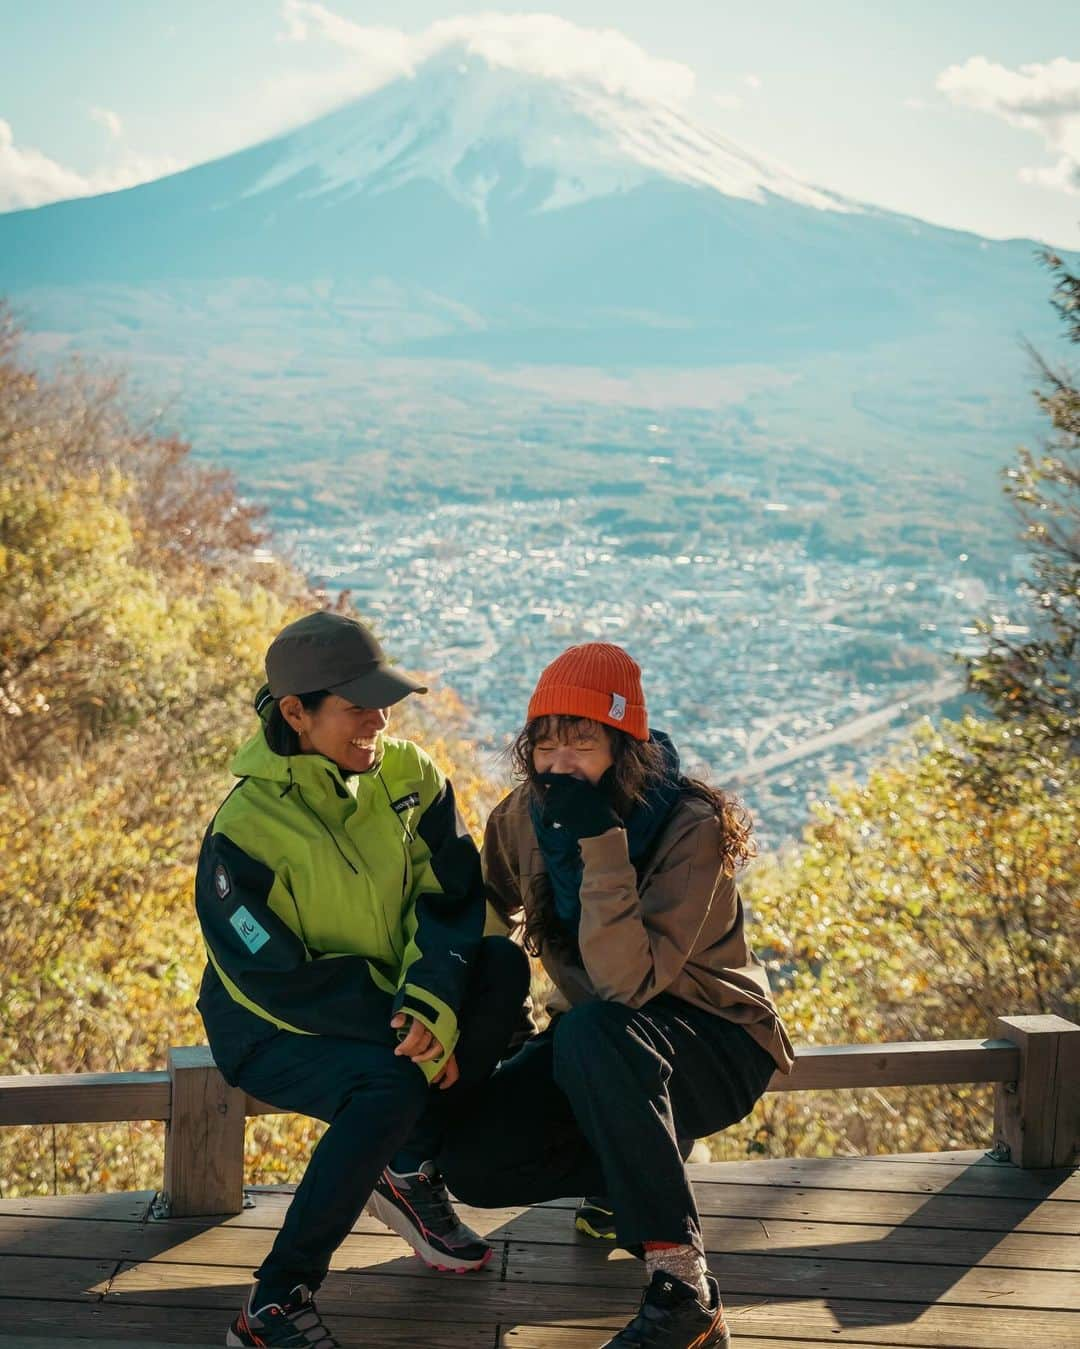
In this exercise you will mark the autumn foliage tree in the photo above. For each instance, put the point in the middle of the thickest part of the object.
(1038, 681)
(945, 890)
(136, 601)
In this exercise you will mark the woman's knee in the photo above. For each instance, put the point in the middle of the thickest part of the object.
(395, 1092)
(589, 1030)
(602, 1041)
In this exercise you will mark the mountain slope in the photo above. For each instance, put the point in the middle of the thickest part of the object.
(568, 221)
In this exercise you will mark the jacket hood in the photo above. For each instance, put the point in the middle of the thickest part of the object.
(255, 759)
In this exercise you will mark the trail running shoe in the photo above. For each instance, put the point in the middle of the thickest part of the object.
(294, 1324)
(417, 1207)
(671, 1317)
(596, 1218)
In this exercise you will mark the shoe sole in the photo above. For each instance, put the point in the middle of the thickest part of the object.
(586, 1228)
(388, 1213)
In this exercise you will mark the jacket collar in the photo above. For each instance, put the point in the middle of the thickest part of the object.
(310, 772)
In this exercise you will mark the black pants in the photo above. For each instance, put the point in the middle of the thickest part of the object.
(596, 1105)
(375, 1104)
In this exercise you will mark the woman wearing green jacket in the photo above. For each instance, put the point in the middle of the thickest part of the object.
(341, 902)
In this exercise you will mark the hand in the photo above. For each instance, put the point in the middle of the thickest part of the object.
(448, 1074)
(583, 810)
(417, 1043)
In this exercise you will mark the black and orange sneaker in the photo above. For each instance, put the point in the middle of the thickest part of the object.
(595, 1218)
(671, 1317)
(292, 1324)
(416, 1206)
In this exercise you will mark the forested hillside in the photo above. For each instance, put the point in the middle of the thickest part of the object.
(136, 600)
(137, 595)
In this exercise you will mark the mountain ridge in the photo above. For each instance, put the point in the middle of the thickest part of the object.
(563, 220)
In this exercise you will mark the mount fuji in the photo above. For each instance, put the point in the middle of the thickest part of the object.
(522, 217)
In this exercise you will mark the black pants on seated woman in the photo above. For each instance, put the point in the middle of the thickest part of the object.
(620, 871)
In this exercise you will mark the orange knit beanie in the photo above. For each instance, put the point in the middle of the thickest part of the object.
(595, 680)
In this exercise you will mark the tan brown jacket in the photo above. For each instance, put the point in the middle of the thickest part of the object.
(678, 930)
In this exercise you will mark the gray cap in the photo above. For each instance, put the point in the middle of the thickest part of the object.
(328, 651)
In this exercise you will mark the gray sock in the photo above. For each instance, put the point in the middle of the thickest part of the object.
(684, 1262)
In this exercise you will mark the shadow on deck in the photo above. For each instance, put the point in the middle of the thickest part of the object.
(942, 1249)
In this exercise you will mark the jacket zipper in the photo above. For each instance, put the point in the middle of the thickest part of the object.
(332, 836)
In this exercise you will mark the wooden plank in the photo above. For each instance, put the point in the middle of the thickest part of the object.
(65, 1280)
(483, 1298)
(804, 1322)
(561, 1337)
(83, 1098)
(133, 1206)
(813, 1322)
(961, 1157)
(270, 1206)
(204, 1143)
(1038, 1117)
(189, 1242)
(902, 1323)
(418, 1297)
(1006, 1183)
(913, 1209)
(902, 1244)
(779, 1275)
(91, 1098)
(152, 1327)
(918, 1063)
(867, 1206)
(64, 1342)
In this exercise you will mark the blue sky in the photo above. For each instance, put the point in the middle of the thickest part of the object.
(965, 113)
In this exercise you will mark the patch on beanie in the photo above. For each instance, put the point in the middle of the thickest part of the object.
(618, 707)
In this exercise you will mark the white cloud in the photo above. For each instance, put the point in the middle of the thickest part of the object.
(1044, 98)
(535, 44)
(916, 104)
(30, 178)
(384, 52)
(752, 81)
(361, 59)
(109, 120)
(729, 102)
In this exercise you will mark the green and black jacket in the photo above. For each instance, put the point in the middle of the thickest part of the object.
(324, 899)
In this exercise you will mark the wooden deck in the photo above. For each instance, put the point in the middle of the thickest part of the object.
(943, 1249)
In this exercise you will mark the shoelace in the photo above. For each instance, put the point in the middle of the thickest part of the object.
(439, 1216)
(311, 1331)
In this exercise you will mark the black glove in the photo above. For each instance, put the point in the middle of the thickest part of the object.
(583, 810)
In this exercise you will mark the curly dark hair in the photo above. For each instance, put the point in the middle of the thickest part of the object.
(638, 766)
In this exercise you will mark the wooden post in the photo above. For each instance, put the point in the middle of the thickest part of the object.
(1037, 1118)
(204, 1140)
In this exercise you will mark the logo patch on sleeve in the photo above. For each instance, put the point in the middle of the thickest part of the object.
(222, 883)
(250, 931)
(404, 803)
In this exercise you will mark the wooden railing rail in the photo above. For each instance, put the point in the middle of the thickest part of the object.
(1033, 1060)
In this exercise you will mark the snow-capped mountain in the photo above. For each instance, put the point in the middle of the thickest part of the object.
(521, 216)
(463, 124)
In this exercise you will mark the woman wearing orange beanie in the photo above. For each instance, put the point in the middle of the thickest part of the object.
(620, 871)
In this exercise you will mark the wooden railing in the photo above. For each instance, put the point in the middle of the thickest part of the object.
(1033, 1060)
